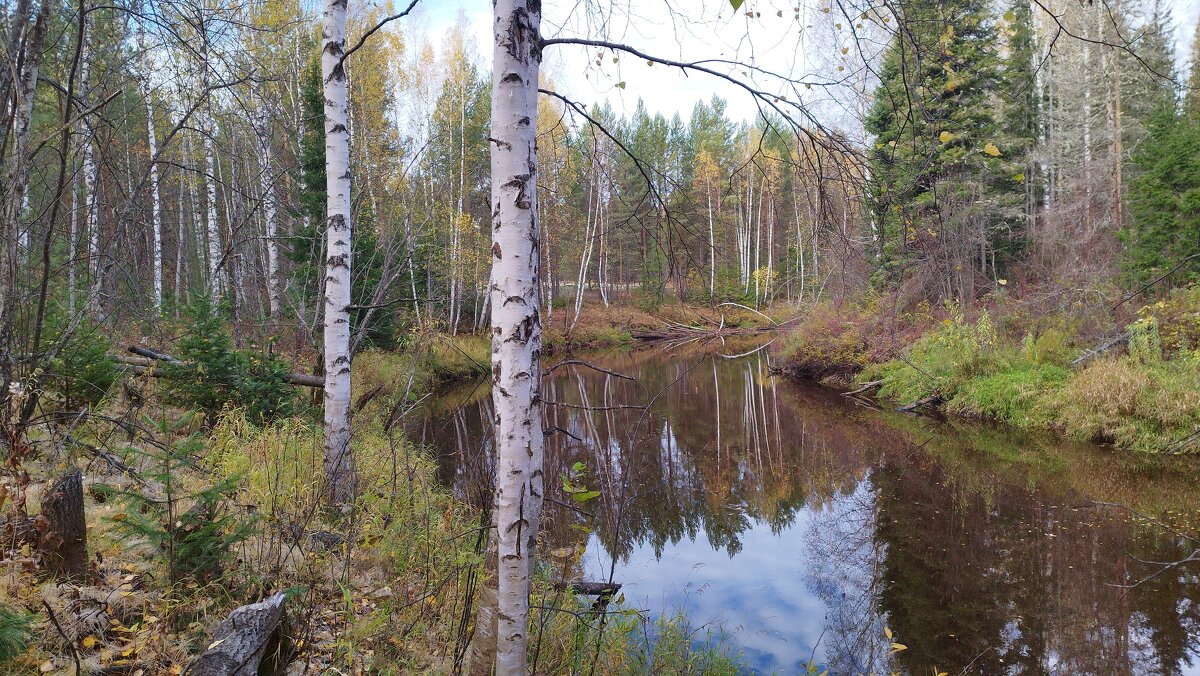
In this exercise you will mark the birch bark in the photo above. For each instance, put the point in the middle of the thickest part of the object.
(516, 319)
(339, 464)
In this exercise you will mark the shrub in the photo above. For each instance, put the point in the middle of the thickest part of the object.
(192, 532)
(1178, 319)
(214, 374)
(942, 361)
(828, 344)
(82, 373)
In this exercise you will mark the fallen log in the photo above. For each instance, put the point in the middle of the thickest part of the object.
(241, 640)
(1100, 349)
(931, 400)
(145, 363)
(866, 386)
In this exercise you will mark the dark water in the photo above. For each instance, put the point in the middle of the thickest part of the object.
(798, 524)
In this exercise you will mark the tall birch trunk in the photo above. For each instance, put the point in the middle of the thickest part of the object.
(213, 229)
(516, 320)
(339, 465)
(16, 183)
(156, 205)
(269, 212)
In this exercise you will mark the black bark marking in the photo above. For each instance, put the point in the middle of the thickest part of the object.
(523, 122)
(512, 77)
(514, 299)
(496, 251)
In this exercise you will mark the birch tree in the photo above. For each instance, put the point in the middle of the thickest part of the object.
(339, 464)
(516, 320)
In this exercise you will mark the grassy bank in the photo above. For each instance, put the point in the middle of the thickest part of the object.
(190, 516)
(1006, 364)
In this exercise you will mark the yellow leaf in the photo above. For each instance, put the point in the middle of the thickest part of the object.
(1019, 177)
(845, 50)
(992, 150)
(89, 641)
(897, 647)
(825, 9)
(887, 631)
(945, 137)
(1002, 282)
(621, 85)
(175, 670)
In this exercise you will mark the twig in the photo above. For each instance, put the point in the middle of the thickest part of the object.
(54, 621)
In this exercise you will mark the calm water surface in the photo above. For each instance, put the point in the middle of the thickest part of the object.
(798, 524)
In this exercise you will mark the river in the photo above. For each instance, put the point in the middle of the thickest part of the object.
(792, 523)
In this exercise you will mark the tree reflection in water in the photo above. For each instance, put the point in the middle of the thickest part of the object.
(804, 524)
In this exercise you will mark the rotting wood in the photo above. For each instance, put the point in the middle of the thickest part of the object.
(865, 386)
(64, 545)
(241, 640)
(932, 400)
(1100, 349)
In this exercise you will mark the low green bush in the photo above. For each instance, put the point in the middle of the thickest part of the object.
(213, 374)
(82, 372)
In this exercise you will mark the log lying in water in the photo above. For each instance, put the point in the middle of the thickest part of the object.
(931, 400)
(242, 640)
(147, 359)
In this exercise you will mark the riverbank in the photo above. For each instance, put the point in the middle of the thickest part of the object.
(190, 516)
(1140, 391)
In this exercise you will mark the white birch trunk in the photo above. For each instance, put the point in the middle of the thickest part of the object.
(269, 213)
(339, 465)
(156, 205)
(15, 189)
(516, 320)
(213, 230)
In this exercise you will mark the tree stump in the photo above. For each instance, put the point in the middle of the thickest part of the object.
(64, 544)
(241, 640)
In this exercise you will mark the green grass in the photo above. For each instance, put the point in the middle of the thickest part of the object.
(1143, 401)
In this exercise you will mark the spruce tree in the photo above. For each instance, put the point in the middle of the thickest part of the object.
(939, 165)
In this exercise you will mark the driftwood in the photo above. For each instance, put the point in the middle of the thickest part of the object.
(64, 545)
(241, 640)
(866, 386)
(931, 400)
(1100, 349)
(147, 359)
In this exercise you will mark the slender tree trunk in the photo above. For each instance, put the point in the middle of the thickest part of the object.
(269, 214)
(516, 320)
(156, 205)
(16, 183)
(213, 229)
(339, 463)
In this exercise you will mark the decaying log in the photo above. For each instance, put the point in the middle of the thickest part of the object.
(64, 545)
(931, 400)
(147, 358)
(1100, 349)
(866, 386)
(241, 640)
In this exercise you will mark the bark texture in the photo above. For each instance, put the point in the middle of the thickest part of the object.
(64, 545)
(516, 323)
(339, 465)
(242, 640)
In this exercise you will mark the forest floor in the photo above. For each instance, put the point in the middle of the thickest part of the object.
(1131, 380)
(189, 517)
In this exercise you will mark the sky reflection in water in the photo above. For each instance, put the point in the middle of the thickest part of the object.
(802, 524)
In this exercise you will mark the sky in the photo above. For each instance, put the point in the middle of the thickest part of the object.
(778, 39)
